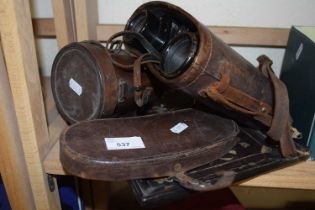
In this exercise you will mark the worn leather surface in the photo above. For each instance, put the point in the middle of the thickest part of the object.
(106, 89)
(208, 137)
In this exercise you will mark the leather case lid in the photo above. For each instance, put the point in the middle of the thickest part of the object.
(251, 156)
(85, 153)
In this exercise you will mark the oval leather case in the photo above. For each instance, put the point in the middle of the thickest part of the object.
(143, 147)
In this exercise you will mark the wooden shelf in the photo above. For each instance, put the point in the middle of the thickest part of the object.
(298, 176)
(237, 36)
(240, 36)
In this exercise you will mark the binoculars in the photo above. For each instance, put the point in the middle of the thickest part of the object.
(163, 48)
(182, 54)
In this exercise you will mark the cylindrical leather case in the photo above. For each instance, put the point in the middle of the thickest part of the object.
(87, 85)
(196, 61)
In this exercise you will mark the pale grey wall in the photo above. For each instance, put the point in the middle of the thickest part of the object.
(46, 48)
(256, 13)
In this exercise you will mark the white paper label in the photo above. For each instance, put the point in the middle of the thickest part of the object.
(180, 127)
(76, 87)
(299, 51)
(123, 143)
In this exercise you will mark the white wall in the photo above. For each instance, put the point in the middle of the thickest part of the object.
(41, 8)
(253, 13)
(46, 52)
(46, 48)
(256, 13)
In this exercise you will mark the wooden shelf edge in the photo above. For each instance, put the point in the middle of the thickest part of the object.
(44, 27)
(298, 176)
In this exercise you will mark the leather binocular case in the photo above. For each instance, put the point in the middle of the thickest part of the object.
(91, 82)
(197, 62)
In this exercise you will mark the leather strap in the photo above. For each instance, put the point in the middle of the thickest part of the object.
(115, 45)
(128, 67)
(222, 92)
(280, 126)
(144, 42)
(237, 96)
(277, 119)
(141, 94)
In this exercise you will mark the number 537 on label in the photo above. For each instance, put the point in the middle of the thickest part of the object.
(122, 143)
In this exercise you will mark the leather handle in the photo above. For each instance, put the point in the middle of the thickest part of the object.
(235, 99)
(142, 94)
(188, 182)
(221, 99)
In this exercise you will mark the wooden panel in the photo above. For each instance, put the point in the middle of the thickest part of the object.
(271, 198)
(231, 35)
(55, 126)
(50, 106)
(244, 36)
(55, 129)
(44, 27)
(299, 176)
(268, 37)
(55, 122)
(17, 184)
(64, 21)
(105, 31)
(20, 57)
(86, 18)
(52, 162)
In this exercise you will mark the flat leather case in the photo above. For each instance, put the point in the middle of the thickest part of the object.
(84, 153)
(252, 156)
